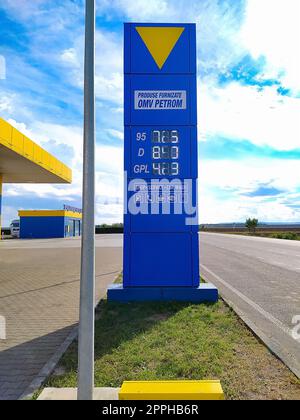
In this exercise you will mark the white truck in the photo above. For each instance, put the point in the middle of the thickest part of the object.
(15, 229)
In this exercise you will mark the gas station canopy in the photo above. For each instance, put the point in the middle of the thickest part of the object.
(23, 161)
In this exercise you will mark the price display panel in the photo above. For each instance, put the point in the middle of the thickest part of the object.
(161, 157)
(164, 153)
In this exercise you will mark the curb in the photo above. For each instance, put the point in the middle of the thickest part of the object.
(273, 346)
(268, 342)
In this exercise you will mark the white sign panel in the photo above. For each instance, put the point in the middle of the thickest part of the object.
(159, 100)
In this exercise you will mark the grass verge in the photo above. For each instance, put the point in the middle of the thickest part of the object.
(291, 236)
(167, 341)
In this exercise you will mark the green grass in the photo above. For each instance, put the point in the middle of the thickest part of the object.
(180, 341)
(292, 236)
(119, 279)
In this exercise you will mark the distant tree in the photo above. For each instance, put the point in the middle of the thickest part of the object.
(251, 225)
(106, 226)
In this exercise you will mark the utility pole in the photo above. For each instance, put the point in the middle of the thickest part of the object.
(87, 281)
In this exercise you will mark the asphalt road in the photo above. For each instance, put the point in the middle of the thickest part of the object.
(260, 279)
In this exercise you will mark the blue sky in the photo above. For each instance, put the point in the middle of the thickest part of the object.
(249, 96)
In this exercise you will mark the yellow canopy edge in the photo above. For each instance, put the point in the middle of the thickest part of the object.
(24, 161)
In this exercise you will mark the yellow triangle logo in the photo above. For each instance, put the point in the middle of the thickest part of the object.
(160, 41)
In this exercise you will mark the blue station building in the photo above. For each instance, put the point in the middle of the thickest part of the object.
(47, 224)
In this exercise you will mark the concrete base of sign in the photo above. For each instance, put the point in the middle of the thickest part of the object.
(70, 394)
(204, 293)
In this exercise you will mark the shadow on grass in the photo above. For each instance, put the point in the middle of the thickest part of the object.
(148, 341)
(166, 341)
(117, 324)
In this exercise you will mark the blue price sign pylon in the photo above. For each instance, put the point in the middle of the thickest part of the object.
(161, 243)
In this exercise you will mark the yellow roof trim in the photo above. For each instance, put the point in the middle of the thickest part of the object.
(14, 141)
(50, 213)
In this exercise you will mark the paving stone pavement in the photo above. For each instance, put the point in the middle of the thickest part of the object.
(39, 297)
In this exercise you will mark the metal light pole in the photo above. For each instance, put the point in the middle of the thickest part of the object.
(87, 283)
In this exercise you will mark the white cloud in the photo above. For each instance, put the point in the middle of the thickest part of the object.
(2, 67)
(60, 134)
(140, 10)
(109, 213)
(110, 87)
(109, 170)
(21, 127)
(218, 24)
(109, 65)
(234, 111)
(8, 215)
(245, 113)
(51, 136)
(218, 39)
(216, 210)
(115, 133)
(109, 159)
(272, 29)
(6, 103)
(224, 184)
(24, 9)
(66, 193)
(54, 16)
(55, 138)
(70, 58)
(249, 173)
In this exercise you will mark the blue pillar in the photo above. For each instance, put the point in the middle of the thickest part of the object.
(161, 246)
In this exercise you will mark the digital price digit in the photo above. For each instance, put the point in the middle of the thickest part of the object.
(165, 169)
(165, 152)
(166, 149)
(165, 136)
